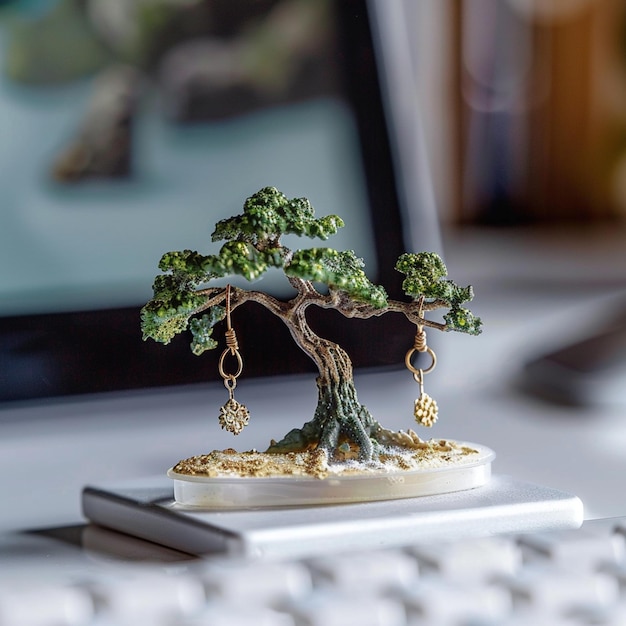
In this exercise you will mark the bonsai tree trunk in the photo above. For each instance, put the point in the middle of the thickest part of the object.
(339, 416)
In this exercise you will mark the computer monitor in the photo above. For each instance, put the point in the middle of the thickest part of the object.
(106, 167)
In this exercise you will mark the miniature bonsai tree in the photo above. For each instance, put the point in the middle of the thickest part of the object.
(184, 299)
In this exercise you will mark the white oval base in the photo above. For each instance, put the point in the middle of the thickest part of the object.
(236, 492)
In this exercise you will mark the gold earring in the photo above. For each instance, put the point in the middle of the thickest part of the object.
(426, 409)
(233, 415)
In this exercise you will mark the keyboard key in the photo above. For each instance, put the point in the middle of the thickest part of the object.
(576, 548)
(614, 615)
(435, 601)
(471, 559)
(147, 594)
(46, 605)
(228, 614)
(331, 608)
(556, 590)
(257, 582)
(532, 618)
(617, 571)
(384, 569)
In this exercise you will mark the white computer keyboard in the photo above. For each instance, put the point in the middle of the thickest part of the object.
(575, 577)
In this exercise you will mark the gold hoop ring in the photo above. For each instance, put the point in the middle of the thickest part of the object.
(421, 371)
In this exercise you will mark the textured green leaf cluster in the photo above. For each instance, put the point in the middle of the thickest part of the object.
(243, 259)
(463, 320)
(424, 273)
(162, 320)
(188, 263)
(268, 214)
(174, 299)
(202, 330)
(342, 271)
(426, 277)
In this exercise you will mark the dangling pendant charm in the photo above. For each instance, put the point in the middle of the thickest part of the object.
(425, 409)
(234, 416)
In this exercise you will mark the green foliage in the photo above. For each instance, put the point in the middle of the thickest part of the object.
(342, 271)
(234, 258)
(174, 299)
(268, 214)
(191, 264)
(425, 277)
(243, 259)
(424, 272)
(163, 319)
(463, 320)
(202, 330)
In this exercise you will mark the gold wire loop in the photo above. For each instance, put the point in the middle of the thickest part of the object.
(232, 347)
(418, 377)
(223, 374)
(228, 304)
(230, 383)
(419, 372)
(419, 345)
(420, 314)
(420, 341)
(231, 340)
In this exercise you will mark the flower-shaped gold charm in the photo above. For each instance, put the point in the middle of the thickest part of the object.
(425, 410)
(234, 417)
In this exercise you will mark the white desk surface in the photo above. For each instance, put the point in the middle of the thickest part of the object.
(529, 289)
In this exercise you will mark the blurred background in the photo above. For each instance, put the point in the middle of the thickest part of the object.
(525, 102)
